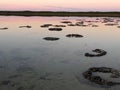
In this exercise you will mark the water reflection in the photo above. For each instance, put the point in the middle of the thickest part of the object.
(28, 62)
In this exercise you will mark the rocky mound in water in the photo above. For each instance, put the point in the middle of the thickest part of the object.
(59, 25)
(3, 28)
(89, 75)
(118, 26)
(55, 29)
(46, 25)
(74, 35)
(25, 26)
(94, 25)
(66, 22)
(99, 52)
(70, 24)
(111, 24)
(51, 38)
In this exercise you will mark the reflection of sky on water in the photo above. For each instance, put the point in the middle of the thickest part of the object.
(23, 51)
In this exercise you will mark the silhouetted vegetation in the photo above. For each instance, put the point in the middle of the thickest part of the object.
(58, 13)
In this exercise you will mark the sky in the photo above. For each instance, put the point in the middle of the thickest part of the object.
(61, 5)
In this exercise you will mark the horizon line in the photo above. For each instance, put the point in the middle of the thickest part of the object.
(50, 11)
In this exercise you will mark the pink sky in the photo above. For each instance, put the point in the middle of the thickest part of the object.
(61, 5)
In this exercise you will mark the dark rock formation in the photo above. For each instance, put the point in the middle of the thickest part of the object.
(111, 24)
(55, 29)
(74, 35)
(51, 38)
(25, 26)
(59, 25)
(99, 80)
(20, 88)
(118, 26)
(99, 52)
(66, 22)
(6, 82)
(3, 28)
(46, 25)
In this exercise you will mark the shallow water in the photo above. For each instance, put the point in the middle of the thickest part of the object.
(28, 62)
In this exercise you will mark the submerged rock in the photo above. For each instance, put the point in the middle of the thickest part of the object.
(1, 66)
(32, 87)
(74, 35)
(20, 88)
(99, 52)
(94, 25)
(6, 82)
(24, 69)
(25, 26)
(55, 29)
(51, 38)
(89, 75)
(14, 76)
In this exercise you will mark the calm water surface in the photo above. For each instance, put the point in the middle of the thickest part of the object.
(28, 62)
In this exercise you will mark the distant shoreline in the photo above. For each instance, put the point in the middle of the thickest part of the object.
(59, 14)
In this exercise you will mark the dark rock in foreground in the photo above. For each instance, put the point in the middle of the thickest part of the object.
(25, 26)
(74, 35)
(6, 82)
(55, 29)
(51, 38)
(99, 52)
(99, 80)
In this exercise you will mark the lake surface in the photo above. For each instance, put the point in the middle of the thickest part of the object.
(29, 62)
